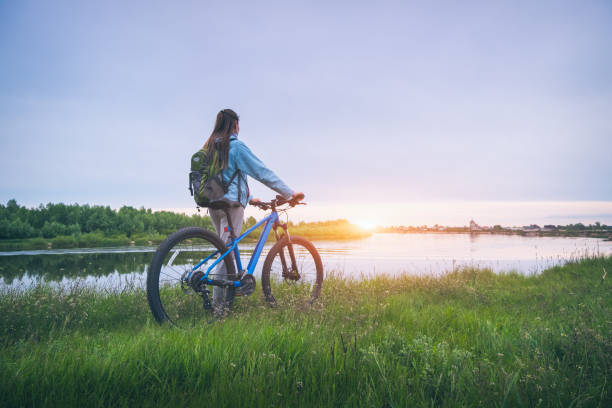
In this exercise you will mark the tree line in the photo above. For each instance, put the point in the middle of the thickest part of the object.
(53, 220)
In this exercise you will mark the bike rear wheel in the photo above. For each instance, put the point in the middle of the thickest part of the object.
(174, 290)
(292, 281)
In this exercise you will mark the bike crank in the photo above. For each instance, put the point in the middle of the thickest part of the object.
(247, 285)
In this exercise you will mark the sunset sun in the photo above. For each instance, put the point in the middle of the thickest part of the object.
(365, 224)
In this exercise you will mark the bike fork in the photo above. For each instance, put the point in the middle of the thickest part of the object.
(293, 272)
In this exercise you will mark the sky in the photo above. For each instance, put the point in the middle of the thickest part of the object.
(381, 112)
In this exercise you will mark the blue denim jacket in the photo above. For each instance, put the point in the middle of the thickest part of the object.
(242, 159)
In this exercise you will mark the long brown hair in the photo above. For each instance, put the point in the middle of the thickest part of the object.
(225, 126)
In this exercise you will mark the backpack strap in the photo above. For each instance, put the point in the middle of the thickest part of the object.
(238, 173)
(226, 186)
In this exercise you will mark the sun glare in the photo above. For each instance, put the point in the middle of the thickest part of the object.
(365, 224)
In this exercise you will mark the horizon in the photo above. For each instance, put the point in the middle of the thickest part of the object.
(432, 213)
(399, 114)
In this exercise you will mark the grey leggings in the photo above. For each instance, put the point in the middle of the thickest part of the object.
(219, 221)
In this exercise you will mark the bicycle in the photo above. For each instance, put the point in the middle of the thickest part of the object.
(182, 268)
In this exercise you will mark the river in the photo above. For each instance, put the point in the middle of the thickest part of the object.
(390, 254)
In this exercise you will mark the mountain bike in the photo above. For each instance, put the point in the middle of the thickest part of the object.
(190, 260)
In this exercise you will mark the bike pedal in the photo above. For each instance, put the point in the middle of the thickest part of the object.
(247, 285)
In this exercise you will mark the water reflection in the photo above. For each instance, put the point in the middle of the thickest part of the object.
(391, 254)
(55, 267)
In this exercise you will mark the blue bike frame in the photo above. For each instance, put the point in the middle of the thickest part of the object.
(270, 220)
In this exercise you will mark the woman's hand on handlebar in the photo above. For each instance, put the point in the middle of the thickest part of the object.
(293, 201)
(258, 203)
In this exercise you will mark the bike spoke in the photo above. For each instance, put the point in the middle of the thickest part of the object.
(181, 301)
(285, 286)
(172, 258)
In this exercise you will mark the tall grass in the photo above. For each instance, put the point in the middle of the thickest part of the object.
(469, 338)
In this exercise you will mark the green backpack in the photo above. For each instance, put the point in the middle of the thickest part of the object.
(205, 178)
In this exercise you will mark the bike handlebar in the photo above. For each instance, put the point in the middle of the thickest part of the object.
(279, 200)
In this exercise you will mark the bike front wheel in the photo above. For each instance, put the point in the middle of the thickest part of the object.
(175, 291)
(292, 274)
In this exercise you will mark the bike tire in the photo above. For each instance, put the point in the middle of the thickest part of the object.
(171, 300)
(301, 292)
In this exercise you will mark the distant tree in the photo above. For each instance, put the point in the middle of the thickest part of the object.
(250, 222)
(4, 228)
(52, 220)
(12, 206)
(74, 230)
(20, 229)
(53, 229)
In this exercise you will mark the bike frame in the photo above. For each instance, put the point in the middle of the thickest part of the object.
(269, 221)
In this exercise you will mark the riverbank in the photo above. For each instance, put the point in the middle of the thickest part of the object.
(605, 234)
(61, 226)
(315, 231)
(470, 338)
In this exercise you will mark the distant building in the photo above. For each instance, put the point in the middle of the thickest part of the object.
(474, 226)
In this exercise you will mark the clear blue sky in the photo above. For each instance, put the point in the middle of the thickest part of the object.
(351, 101)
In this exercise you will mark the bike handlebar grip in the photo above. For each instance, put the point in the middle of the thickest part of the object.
(299, 197)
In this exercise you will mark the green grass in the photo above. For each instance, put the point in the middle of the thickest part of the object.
(470, 338)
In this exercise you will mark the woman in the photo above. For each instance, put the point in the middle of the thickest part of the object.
(237, 162)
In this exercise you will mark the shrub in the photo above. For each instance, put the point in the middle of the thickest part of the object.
(90, 240)
(64, 242)
(53, 229)
(38, 243)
